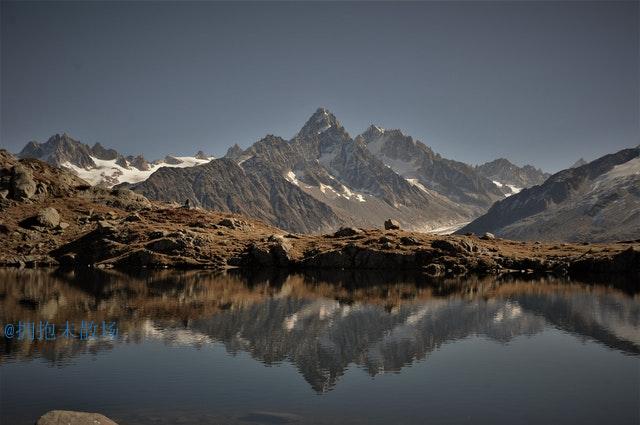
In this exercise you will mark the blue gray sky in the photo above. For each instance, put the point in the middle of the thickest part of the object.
(537, 82)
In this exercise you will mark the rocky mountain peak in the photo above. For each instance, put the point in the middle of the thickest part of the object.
(372, 133)
(321, 121)
(506, 173)
(101, 152)
(201, 155)
(59, 149)
(234, 152)
(579, 163)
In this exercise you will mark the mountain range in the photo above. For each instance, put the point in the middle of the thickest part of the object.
(319, 180)
(99, 165)
(597, 201)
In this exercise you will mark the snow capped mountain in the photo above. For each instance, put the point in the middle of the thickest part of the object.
(320, 179)
(598, 201)
(100, 166)
(110, 173)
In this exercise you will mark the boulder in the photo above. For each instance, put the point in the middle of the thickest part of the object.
(446, 245)
(133, 217)
(346, 232)
(434, 269)
(488, 236)
(158, 234)
(387, 245)
(48, 217)
(166, 245)
(260, 256)
(276, 254)
(391, 224)
(67, 417)
(231, 223)
(459, 269)
(409, 240)
(22, 185)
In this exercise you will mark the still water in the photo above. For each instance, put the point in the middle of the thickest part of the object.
(205, 348)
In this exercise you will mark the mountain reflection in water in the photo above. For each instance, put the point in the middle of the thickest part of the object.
(320, 323)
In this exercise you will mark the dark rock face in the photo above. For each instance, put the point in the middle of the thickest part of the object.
(596, 202)
(503, 171)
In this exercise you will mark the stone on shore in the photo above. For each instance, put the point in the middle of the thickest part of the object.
(67, 417)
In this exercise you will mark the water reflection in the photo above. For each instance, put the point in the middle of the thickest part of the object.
(321, 323)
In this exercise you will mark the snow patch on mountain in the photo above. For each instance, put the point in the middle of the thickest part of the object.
(419, 185)
(292, 178)
(109, 173)
(512, 188)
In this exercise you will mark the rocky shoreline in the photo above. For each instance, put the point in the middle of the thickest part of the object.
(50, 217)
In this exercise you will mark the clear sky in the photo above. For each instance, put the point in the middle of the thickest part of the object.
(537, 82)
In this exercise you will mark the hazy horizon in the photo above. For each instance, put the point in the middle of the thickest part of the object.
(540, 83)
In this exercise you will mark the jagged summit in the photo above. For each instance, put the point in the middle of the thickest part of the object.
(371, 133)
(321, 121)
(506, 174)
(234, 152)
